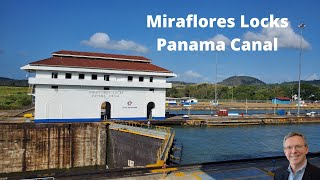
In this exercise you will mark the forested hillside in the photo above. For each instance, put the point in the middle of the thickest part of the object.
(12, 82)
(241, 80)
(244, 91)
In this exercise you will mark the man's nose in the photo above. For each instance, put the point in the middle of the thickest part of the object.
(294, 150)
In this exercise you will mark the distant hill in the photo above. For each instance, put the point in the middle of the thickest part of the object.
(241, 80)
(12, 82)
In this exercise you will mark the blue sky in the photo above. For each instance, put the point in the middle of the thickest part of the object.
(31, 30)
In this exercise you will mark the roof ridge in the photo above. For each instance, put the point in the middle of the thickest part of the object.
(99, 64)
(95, 55)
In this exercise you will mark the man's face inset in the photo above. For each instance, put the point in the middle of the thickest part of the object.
(295, 151)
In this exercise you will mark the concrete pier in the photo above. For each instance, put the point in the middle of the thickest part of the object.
(207, 120)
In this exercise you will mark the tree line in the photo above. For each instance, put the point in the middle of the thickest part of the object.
(253, 92)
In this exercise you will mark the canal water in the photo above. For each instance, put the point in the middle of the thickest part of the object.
(209, 144)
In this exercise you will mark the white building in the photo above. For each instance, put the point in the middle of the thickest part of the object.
(75, 86)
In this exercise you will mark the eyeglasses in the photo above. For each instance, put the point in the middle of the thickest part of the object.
(297, 147)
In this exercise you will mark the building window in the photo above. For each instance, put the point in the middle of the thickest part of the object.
(81, 76)
(151, 79)
(94, 77)
(151, 90)
(54, 75)
(54, 87)
(106, 77)
(140, 79)
(68, 75)
(130, 78)
(106, 88)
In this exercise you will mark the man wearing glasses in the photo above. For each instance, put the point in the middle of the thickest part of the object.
(296, 148)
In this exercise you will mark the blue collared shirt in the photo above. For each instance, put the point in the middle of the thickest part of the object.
(299, 173)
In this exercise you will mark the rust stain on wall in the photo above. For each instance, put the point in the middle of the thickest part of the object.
(29, 147)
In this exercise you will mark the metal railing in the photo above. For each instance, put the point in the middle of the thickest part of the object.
(163, 151)
(41, 178)
(141, 128)
(139, 124)
(243, 101)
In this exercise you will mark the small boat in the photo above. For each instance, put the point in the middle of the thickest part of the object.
(189, 101)
(185, 117)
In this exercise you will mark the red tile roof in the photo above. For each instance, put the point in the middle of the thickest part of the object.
(87, 62)
(99, 55)
(283, 98)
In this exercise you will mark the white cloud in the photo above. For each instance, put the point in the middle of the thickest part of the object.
(190, 76)
(102, 40)
(287, 38)
(220, 37)
(311, 77)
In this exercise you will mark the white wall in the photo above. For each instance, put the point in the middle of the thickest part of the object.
(82, 98)
(43, 74)
(113, 77)
(73, 102)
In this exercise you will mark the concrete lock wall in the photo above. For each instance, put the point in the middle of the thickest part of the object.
(30, 147)
(128, 150)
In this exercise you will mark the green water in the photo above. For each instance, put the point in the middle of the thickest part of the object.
(208, 144)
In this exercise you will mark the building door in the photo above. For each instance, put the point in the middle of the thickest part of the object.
(105, 110)
(150, 106)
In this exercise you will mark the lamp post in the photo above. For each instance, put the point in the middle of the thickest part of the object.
(301, 26)
(215, 86)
